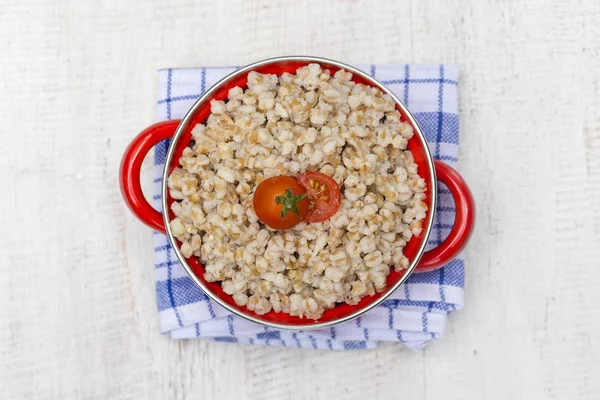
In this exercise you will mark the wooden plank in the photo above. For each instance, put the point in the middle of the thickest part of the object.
(77, 305)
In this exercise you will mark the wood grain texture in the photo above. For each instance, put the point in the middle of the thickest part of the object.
(77, 304)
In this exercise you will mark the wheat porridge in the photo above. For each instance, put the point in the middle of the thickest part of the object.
(335, 138)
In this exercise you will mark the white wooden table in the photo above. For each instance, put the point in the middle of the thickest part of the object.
(77, 305)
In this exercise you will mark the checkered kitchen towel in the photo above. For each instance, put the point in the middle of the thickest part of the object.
(415, 314)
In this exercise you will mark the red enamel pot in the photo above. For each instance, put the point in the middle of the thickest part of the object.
(179, 131)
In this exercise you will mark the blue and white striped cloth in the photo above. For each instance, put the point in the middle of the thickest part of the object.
(414, 315)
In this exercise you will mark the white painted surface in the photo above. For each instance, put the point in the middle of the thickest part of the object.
(77, 305)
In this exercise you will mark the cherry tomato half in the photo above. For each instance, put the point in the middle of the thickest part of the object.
(280, 202)
(323, 194)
